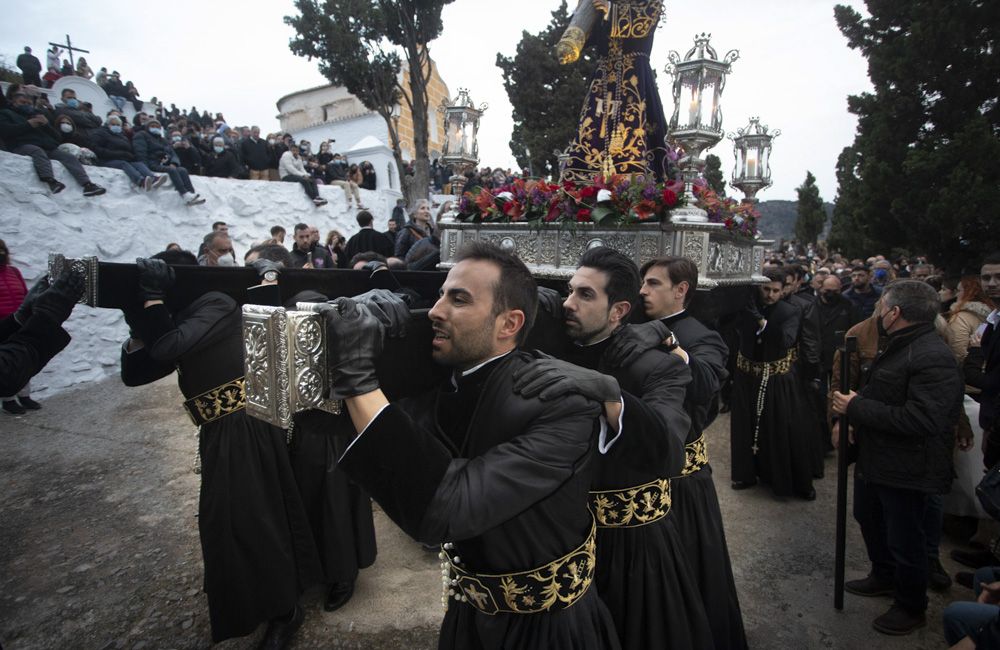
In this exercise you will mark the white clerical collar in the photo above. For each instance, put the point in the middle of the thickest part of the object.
(466, 373)
(676, 313)
(587, 345)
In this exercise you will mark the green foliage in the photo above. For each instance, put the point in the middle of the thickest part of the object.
(714, 175)
(924, 170)
(9, 73)
(361, 45)
(546, 96)
(811, 215)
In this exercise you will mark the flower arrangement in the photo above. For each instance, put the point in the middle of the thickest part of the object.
(613, 200)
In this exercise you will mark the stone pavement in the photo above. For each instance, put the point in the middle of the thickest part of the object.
(99, 545)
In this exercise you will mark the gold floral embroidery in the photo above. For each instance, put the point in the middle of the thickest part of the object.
(218, 402)
(631, 507)
(697, 456)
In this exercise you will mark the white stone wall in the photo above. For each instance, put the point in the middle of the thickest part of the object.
(127, 223)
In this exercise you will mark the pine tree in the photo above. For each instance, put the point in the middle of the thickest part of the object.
(811, 215)
(361, 44)
(924, 167)
(546, 96)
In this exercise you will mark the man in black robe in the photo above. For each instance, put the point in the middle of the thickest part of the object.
(257, 547)
(768, 438)
(643, 572)
(499, 479)
(810, 351)
(668, 284)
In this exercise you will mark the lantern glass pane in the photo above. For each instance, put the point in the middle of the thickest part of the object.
(690, 106)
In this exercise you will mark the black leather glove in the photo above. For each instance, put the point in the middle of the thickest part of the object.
(373, 266)
(263, 267)
(631, 341)
(23, 312)
(57, 302)
(549, 378)
(155, 277)
(354, 342)
(390, 309)
(551, 302)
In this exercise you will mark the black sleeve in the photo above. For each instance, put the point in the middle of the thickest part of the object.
(198, 326)
(27, 350)
(139, 369)
(707, 361)
(810, 346)
(972, 368)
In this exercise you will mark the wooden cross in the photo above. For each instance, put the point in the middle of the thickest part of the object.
(68, 45)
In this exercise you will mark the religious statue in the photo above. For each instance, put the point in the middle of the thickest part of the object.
(622, 127)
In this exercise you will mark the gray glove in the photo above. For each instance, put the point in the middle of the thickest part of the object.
(389, 309)
(354, 338)
(23, 312)
(155, 277)
(631, 341)
(549, 378)
(550, 301)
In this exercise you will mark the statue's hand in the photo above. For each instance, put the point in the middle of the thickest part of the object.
(604, 6)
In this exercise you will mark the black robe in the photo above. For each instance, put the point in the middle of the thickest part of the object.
(505, 479)
(644, 573)
(695, 500)
(340, 512)
(26, 349)
(257, 547)
(785, 457)
(810, 367)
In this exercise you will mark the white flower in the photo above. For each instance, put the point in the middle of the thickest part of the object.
(738, 219)
(603, 195)
(506, 196)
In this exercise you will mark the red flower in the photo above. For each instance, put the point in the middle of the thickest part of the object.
(589, 193)
(583, 215)
(669, 198)
(554, 210)
(645, 210)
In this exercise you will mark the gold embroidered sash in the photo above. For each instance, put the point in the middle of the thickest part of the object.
(631, 507)
(697, 456)
(780, 367)
(217, 403)
(555, 586)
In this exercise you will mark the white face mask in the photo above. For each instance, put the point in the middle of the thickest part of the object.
(66, 128)
(226, 260)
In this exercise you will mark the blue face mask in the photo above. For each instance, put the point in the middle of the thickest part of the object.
(176, 138)
(219, 149)
(25, 109)
(156, 131)
(881, 274)
(73, 102)
(115, 128)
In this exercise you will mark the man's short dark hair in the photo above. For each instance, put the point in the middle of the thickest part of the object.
(301, 226)
(623, 276)
(367, 256)
(365, 218)
(274, 252)
(66, 90)
(918, 302)
(679, 269)
(992, 259)
(276, 229)
(217, 224)
(515, 290)
(775, 274)
(175, 256)
(860, 268)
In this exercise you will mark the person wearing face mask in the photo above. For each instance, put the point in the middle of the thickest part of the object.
(113, 149)
(189, 155)
(218, 250)
(154, 150)
(75, 142)
(28, 133)
(862, 294)
(337, 175)
(882, 274)
(256, 155)
(71, 107)
(223, 163)
(904, 419)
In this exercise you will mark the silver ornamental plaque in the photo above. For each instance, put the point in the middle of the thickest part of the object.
(85, 265)
(284, 363)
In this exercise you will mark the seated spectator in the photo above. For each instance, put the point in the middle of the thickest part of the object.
(83, 70)
(223, 163)
(83, 121)
(51, 77)
(113, 149)
(305, 253)
(189, 155)
(256, 155)
(337, 175)
(416, 229)
(368, 240)
(292, 170)
(976, 624)
(152, 149)
(116, 91)
(102, 78)
(368, 177)
(28, 133)
(218, 250)
(73, 141)
(132, 94)
(354, 175)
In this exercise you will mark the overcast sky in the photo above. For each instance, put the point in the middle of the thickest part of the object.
(231, 56)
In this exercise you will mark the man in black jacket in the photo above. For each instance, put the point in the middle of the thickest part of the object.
(368, 239)
(32, 335)
(85, 121)
(257, 155)
(904, 421)
(982, 365)
(30, 67)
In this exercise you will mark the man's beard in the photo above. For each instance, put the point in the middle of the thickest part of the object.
(576, 332)
(469, 349)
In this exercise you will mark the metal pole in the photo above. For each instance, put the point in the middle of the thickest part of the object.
(849, 349)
